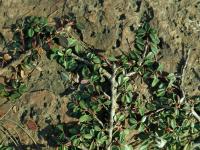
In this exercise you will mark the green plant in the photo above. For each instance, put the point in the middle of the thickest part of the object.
(2, 147)
(108, 108)
(12, 89)
(111, 112)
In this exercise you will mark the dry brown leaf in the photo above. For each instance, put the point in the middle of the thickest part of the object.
(84, 81)
(31, 124)
(7, 57)
(22, 74)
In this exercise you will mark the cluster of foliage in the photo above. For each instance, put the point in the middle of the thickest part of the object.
(111, 114)
(12, 90)
(2, 147)
(158, 122)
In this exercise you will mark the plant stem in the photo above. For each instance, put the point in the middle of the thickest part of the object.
(183, 77)
(9, 135)
(130, 74)
(6, 112)
(113, 105)
(195, 114)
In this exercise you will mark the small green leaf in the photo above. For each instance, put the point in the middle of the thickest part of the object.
(64, 64)
(107, 103)
(102, 140)
(94, 78)
(64, 76)
(76, 141)
(14, 96)
(4, 93)
(96, 60)
(120, 79)
(143, 118)
(37, 29)
(60, 53)
(2, 87)
(129, 97)
(22, 88)
(83, 105)
(142, 110)
(154, 48)
(85, 71)
(140, 41)
(68, 51)
(160, 93)
(160, 68)
(60, 127)
(172, 78)
(121, 117)
(140, 46)
(140, 32)
(71, 42)
(173, 123)
(87, 136)
(78, 48)
(114, 147)
(54, 50)
(146, 26)
(161, 142)
(148, 63)
(30, 32)
(85, 118)
(112, 59)
(97, 128)
(149, 56)
(92, 145)
(126, 147)
(154, 38)
(80, 26)
(125, 79)
(144, 145)
(132, 122)
(155, 81)
(141, 128)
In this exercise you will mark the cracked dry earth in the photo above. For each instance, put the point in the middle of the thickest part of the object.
(107, 25)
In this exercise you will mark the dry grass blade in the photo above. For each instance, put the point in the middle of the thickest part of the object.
(24, 131)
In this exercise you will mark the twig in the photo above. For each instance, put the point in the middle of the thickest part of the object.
(99, 121)
(81, 59)
(108, 96)
(145, 52)
(95, 116)
(128, 44)
(130, 74)
(6, 113)
(9, 135)
(157, 111)
(24, 131)
(113, 105)
(184, 67)
(183, 77)
(195, 114)
(183, 96)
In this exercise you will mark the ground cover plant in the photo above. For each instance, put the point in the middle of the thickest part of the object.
(108, 100)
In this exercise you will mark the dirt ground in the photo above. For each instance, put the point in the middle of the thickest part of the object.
(107, 24)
